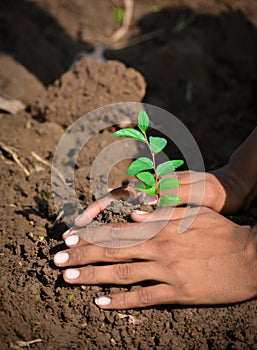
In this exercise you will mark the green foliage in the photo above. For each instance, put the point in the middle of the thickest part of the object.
(157, 144)
(168, 167)
(166, 184)
(119, 14)
(151, 180)
(143, 121)
(169, 200)
(144, 188)
(139, 165)
(71, 296)
(147, 178)
(130, 133)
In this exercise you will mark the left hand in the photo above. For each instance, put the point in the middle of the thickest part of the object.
(213, 262)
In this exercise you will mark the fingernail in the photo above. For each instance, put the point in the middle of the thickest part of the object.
(61, 258)
(72, 240)
(66, 232)
(102, 301)
(77, 218)
(72, 274)
(150, 202)
(140, 212)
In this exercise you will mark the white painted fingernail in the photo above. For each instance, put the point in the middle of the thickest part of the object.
(61, 258)
(103, 301)
(140, 212)
(72, 274)
(72, 240)
(66, 232)
(77, 218)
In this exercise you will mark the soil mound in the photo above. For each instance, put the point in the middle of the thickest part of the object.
(90, 85)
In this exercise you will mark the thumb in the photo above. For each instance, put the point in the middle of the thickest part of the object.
(165, 213)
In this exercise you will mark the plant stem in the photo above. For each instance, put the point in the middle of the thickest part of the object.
(157, 180)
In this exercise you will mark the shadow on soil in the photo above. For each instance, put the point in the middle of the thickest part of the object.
(35, 39)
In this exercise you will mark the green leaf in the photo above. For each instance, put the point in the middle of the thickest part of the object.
(166, 184)
(157, 144)
(119, 14)
(143, 188)
(143, 121)
(131, 133)
(147, 178)
(139, 165)
(169, 200)
(177, 163)
(168, 167)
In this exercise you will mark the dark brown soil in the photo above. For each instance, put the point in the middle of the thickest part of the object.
(205, 75)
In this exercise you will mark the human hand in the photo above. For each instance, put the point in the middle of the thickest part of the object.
(212, 262)
(226, 190)
(217, 191)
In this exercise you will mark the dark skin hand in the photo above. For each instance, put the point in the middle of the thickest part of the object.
(213, 261)
(195, 267)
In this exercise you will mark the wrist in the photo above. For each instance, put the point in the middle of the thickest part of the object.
(243, 163)
(239, 176)
(240, 190)
(244, 177)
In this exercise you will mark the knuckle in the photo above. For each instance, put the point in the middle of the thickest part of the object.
(90, 274)
(161, 247)
(110, 252)
(80, 254)
(144, 296)
(186, 291)
(122, 272)
(175, 269)
(211, 191)
(121, 300)
(205, 210)
(116, 233)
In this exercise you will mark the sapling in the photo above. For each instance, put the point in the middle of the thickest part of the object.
(146, 170)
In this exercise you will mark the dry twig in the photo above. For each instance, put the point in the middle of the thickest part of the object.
(180, 26)
(19, 344)
(122, 31)
(10, 105)
(14, 156)
(59, 216)
(45, 162)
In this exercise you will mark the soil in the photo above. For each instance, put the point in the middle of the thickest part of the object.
(204, 74)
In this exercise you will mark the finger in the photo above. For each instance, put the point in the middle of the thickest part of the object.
(84, 255)
(100, 237)
(142, 297)
(125, 273)
(88, 215)
(167, 213)
(192, 193)
(127, 193)
(123, 235)
(189, 177)
(93, 210)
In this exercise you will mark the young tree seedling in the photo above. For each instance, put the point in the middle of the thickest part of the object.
(146, 170)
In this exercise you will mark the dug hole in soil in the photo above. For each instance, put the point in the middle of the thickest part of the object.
(205, 75)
